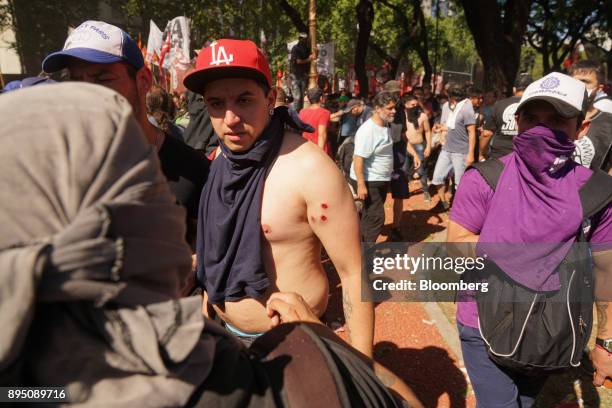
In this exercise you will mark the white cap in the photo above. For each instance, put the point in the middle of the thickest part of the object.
(96, 42)
(567, 95)
(603, 103)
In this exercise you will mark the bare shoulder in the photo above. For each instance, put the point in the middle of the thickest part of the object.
(306, 157)
(312, 171)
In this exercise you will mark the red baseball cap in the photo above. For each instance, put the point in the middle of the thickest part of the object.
(228, 59)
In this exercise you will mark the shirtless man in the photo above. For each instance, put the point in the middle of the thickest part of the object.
(251, 246)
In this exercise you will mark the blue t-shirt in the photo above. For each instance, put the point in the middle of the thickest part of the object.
(374, 144)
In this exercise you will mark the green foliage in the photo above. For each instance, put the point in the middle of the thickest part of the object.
(456, 50)
(556, 26)
(336, 22)
(41, 26)
(45, 24)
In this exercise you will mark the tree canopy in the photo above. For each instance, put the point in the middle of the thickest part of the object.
(397, 33)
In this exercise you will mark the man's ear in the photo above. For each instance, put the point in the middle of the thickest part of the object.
(144, 80)
(272, 98)
(583, 129)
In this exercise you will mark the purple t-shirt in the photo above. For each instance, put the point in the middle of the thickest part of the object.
(470, 208)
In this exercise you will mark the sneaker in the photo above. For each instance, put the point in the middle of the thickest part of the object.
(395, 235)
(426, 197)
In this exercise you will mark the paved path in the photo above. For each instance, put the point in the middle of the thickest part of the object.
(416, 340)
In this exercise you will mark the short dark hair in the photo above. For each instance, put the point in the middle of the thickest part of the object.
(409, 97)
(456, 91)
(522, 82)
(474, 92)
(587, 67)
(314, 94)
(383, 98)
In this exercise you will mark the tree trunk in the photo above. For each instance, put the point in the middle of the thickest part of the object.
(293, 15)
(365, 17)
(545, 60)
(422, 47)
(498, 39)
(393, 61)
(415, 34)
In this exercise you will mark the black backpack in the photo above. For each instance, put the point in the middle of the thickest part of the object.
(533, 332)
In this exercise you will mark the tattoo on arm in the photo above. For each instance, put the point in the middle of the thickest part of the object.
(387, 378)
(348, 309)
(602, 317)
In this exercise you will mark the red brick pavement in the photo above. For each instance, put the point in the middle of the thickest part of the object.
(406, 340)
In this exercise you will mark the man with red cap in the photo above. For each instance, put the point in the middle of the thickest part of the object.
(263, 215)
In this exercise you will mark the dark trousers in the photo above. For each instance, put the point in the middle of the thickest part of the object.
(298, 90)
(373, 213)
(421, 171)
(495, 386)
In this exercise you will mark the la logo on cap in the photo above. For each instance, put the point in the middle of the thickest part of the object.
(219, 56)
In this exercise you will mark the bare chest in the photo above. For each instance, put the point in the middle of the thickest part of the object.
(283, 210)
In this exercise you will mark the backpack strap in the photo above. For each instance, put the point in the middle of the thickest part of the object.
(490, 170)
(596, 193)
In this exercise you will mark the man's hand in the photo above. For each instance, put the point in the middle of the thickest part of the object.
(412, 152)
(602, 362)
(288, 307)
(362, 191)
(427, 151)
(439, 127)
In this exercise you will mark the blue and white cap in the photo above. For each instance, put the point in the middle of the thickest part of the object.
(97, 42)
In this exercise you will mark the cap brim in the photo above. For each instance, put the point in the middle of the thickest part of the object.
(563, 108)
(603, 104)
(31, 81)
(60, 60)
(197, 80)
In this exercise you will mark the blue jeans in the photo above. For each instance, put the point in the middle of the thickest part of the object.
(420, 151)
(495, 386)
(298, 90)
(446, 162)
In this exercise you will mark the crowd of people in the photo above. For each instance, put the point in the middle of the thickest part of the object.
(174, 241)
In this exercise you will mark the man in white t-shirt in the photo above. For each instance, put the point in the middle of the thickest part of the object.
(372, 165)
